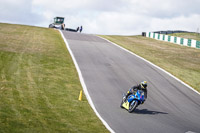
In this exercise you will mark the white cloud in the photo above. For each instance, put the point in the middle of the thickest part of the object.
(189, 23)
(13, 11)
(106, 17)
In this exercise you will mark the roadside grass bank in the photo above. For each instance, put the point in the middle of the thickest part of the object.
(39, 85)
(195, 36)
(182, 62)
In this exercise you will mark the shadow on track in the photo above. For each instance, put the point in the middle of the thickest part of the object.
(149, 112)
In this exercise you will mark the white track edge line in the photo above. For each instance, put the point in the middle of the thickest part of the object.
(152, 65)
(84, 85)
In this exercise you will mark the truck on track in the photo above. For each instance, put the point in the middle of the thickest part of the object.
(58, 23)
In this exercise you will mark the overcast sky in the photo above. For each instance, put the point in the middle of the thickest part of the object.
(119, 17)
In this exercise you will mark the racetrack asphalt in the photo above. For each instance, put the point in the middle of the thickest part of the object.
(109, 71)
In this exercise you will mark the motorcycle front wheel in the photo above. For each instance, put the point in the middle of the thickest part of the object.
(121, 104)
(133, 106)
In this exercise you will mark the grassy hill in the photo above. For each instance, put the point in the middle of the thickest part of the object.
(39, 85)
(182, 62)
(195, 36)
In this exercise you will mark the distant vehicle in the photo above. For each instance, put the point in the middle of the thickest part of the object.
(58, 23)
(132, 101)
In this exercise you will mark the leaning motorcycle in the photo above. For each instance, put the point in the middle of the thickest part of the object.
(132, 101)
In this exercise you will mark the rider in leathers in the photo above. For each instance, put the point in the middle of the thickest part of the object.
(141, 86)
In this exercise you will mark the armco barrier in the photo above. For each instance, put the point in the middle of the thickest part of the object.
(174, 39)
(198, 44)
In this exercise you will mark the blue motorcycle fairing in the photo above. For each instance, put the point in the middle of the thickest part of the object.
(139, 96)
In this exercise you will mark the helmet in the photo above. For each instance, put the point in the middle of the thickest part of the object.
(143, 84)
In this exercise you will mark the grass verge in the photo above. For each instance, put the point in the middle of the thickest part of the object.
(39, 85)
(182, 62)
(195, 36)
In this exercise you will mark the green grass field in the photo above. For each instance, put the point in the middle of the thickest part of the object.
(195, 36)
(39, 85)
(182, 62)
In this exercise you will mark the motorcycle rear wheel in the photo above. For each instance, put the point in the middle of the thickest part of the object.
(132, 107)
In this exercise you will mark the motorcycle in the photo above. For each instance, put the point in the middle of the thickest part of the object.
(132, 101)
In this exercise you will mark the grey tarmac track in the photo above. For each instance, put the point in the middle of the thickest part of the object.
(109, 71)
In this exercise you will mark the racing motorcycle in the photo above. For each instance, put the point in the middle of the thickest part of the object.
(132, 101)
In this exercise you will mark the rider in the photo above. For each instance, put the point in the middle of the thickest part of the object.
(141, 86)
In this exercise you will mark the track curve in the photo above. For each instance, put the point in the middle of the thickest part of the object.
(109, 71)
